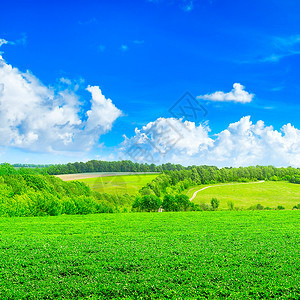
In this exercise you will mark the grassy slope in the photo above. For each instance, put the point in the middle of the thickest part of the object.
(119, 185)
(192, 255)
(268, 193)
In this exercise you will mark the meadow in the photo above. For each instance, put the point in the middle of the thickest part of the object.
(119, 185)
(184, 255)
(243, 195)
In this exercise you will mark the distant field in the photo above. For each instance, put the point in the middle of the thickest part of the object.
(188, 255)
(119, 185)
(69, 177)
(268, 193)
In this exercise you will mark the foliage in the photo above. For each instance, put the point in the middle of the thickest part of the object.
(26, 194)
(297, 206)
(230, 204)
(214, 203)
(295, 179)
(280, 207)
(256, 207)
(147, 203)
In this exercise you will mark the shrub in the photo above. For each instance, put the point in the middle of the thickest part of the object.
(147, 203)
(214, 203)
(230, 205)
(183, 201)
(68, 206)
(205, 207)
(297, 206)
(256, 207)
(85, 205)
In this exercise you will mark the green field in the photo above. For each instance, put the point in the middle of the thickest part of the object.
(189, 255)
(119, 185)
(269, 194)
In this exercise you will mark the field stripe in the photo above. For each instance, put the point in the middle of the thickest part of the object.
(68, 177)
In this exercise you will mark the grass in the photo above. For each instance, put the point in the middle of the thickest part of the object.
(119, 185)
(269, 194)
(191, 255)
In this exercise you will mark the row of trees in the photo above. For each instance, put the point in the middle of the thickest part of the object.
(101, 166)
(169, 203)
(179, 202)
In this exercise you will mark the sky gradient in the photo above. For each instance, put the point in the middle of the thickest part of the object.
(240, 60)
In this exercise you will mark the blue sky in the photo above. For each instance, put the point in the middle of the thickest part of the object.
(144, 55)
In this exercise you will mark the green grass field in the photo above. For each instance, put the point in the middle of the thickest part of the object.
(188, 255)
(269, 194)
(119, 185)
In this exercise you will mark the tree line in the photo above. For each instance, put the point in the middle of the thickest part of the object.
(101, 166)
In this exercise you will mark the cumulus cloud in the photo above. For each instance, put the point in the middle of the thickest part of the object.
(157, 139)
(3, 42)
(237, 94)
(40, 118)
(240, 144)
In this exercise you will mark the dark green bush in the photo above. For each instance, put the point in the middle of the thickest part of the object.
(214, 203)
(297, 206)
(147, 203)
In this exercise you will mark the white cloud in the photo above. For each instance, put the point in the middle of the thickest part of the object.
(3, 42)
(102, 113)
(237, 94)
(66, 81)
(240, 144)
(40, 118)
(155, 140)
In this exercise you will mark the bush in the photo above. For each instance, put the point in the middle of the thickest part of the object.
(147, 203)
(169, 203)
(280, 207)
(204, 207)
(297, 206)
(69, 207)
(230, 205)
(214, 203)
(256, 207)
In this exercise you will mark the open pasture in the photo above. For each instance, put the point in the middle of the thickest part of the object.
(188, 255)
(119, 185)
(243, 195)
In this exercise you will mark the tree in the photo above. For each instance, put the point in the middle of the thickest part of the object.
(183, 202)
(169, 203)
(147, 203)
